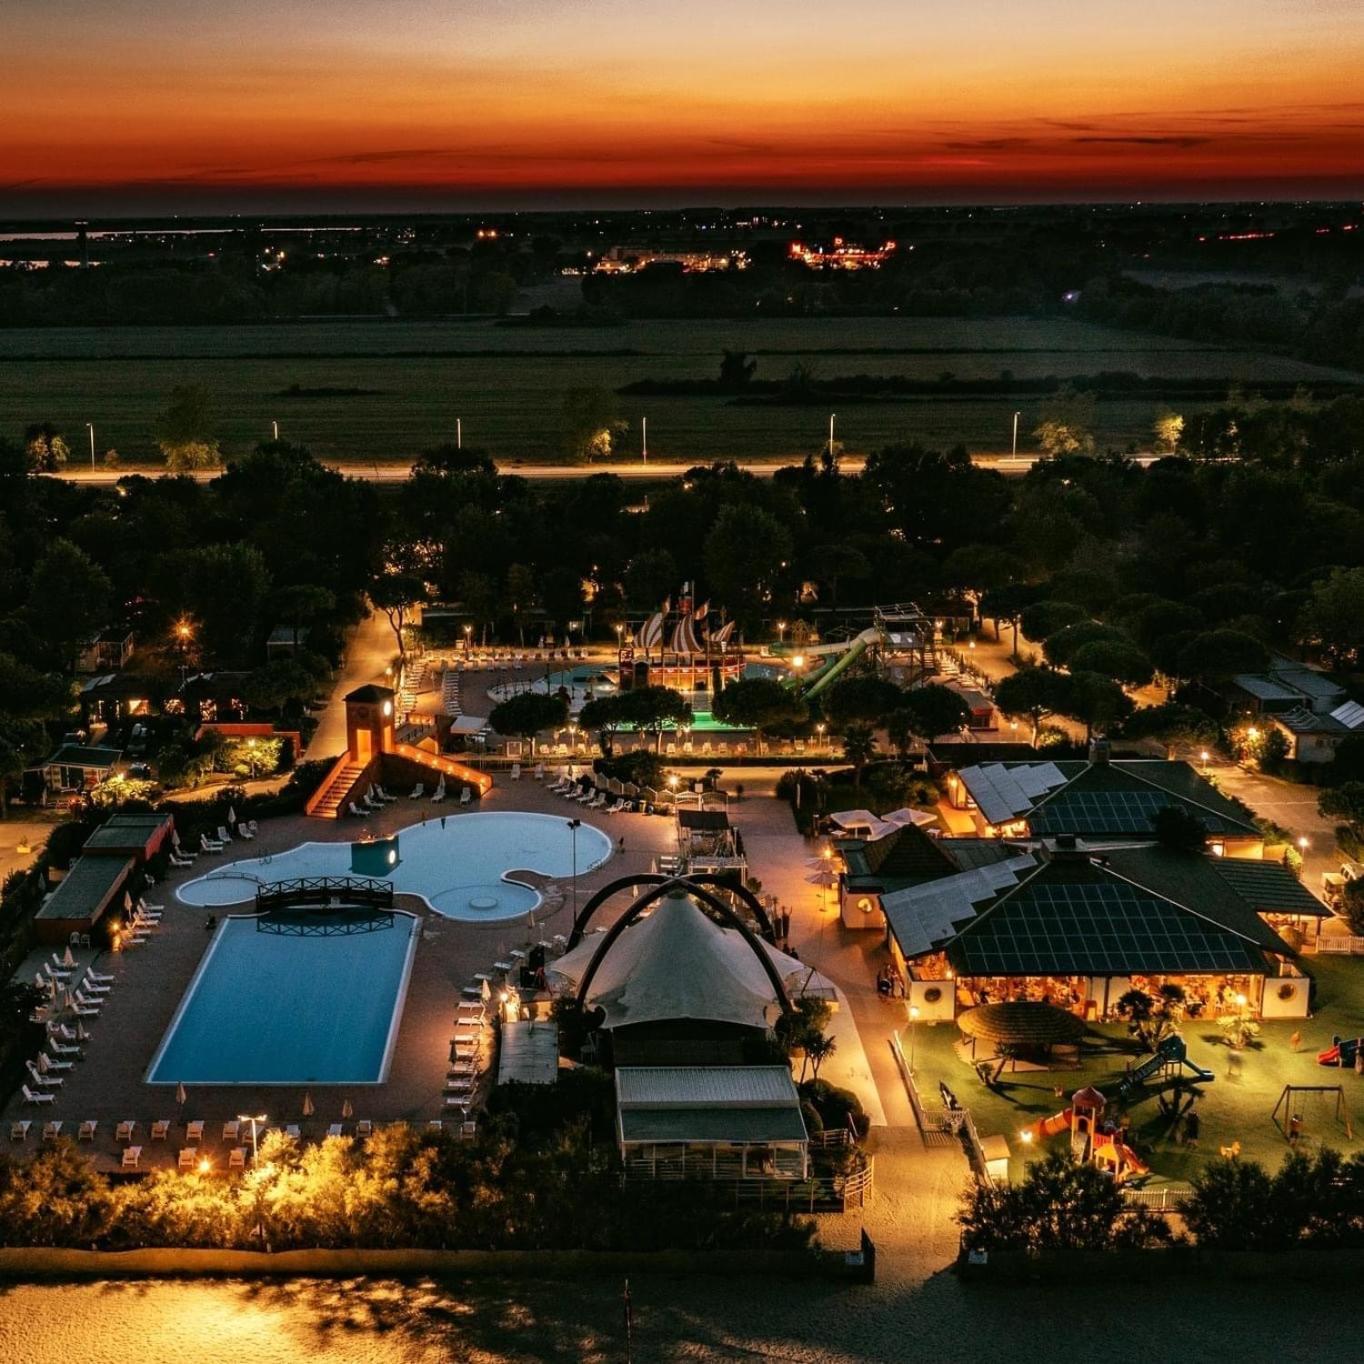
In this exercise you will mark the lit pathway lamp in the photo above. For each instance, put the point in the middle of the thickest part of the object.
(573, 826)
(913, 1019)
(255, 1119)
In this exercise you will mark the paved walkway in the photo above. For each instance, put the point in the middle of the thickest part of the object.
(369, 650)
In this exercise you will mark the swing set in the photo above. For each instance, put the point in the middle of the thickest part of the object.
(1290, 1124)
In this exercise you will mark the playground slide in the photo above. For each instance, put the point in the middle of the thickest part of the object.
(1172, 1051)
(1123, 1156)
(852, 651)
(1049, 1127)
(1341, 1052)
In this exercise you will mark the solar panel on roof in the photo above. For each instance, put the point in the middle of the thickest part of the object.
(1084, 928)
(1110, 812)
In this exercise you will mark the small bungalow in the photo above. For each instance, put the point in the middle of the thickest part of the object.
(204, 697)
(82, 898)
(110, 697)
(1284, 686)
(1313, 737)
(1101, 798)
(79, 767)
(107, 651)
(710, 1122)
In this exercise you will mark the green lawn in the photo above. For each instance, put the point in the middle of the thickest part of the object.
(506, 383)
(1236, 1106)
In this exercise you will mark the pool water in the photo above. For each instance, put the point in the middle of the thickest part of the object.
(270, 1008)
(458, 864)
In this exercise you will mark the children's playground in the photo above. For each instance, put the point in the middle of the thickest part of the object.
(1127, 1108)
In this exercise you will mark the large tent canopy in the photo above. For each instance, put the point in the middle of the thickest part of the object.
(679, 963)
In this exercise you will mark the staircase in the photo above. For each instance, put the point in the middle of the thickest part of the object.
(326, 804)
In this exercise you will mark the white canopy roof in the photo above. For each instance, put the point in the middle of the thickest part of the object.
(853, 821)
(679, 963)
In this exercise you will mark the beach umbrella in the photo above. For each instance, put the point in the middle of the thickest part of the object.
(68, 999)
(68, 960)
(43, 982)
(308, 1107)
(231, 815)
(180, 1095)
(346, 1110)
(127, 903)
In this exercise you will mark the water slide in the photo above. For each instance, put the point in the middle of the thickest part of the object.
(849, 651)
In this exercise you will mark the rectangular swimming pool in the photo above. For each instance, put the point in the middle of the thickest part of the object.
(280, 1008)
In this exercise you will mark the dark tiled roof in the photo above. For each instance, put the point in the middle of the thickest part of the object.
(370, 693)
(1268, 887)
(1076, 917)
(1124, 797)
(79, 755)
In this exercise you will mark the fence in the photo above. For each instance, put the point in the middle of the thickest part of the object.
(940, 1118)
(1345, 946)
(1163, 1199)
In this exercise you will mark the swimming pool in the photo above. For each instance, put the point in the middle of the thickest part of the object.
(270, 1008)
(458, 864)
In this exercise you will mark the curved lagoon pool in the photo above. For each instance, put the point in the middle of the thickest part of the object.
(458, 864)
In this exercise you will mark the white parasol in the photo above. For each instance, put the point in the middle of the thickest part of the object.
(308, 1107)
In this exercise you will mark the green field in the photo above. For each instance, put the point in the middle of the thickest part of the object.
(506, 383)
(1234, 1107)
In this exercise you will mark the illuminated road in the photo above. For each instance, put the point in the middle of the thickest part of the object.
(634, 472)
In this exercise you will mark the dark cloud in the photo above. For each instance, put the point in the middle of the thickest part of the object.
(1146, 139)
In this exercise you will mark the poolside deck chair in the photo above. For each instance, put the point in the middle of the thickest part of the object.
(244, 832)
(145, 906)
(95, 989)
(18, 1130)
(417, 792)
(161, 1129)
(131, 1156)
(125, 1130)
(231, 1130)
(236, 1158)
(36, 1096)
(194, 1131)
(516, 772)
(336, 1129)
(438, 794)
(292, 1131)
(179, 861)
(188, 1159)
(223, 835)
(210, 845)
(62, 1049)
(52, 1130)
(40, 1080)
(466, 795)
(82, 1011)
(354, 809)
(364, 1128)
(99, 977)
(46, 1063)
(87, 1130)
(59, 967)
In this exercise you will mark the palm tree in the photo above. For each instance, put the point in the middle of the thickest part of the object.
(818, 1049)
(859, 747)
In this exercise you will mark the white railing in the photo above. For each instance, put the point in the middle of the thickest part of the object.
(1163, 1199)
(1346, 945)
(940, 1118)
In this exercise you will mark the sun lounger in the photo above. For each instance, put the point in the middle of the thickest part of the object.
(98, 977)
(87, 1130)
(52, 1130)
(85, 1012)
(208, 845)
(466, 795)
(125, 1130)
(36, 1096)
(46, 1063)
(131, 1156)
(194, 1131)
(61, 1048)
(417, 792)
(223, 835)
(42, 1081)
(244, 832)
(18, 1130)
(364, 1127)
(355, 810)
(516, 772)
(161, 1129)
(292, 1131)
(231, 1130)
(438, 794)
(188, 1158)
(336, 1129)
(95, 988)
(59, 967)
(147, 907)
(236, 1158)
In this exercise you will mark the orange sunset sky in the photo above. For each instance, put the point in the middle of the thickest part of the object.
(136, 104)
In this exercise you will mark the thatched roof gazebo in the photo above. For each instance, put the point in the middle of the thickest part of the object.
(1021, 1025)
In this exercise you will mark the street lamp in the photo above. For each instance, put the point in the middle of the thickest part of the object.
(253, 1119)
(913, 1019)
(274, 429)
(459, 434)
(573, 826)
(819, 729)
(90, 427)
(1204, 755)
(1014, 455)
(644, 439)
(468, 636)
(781, 631)
(832, 415)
